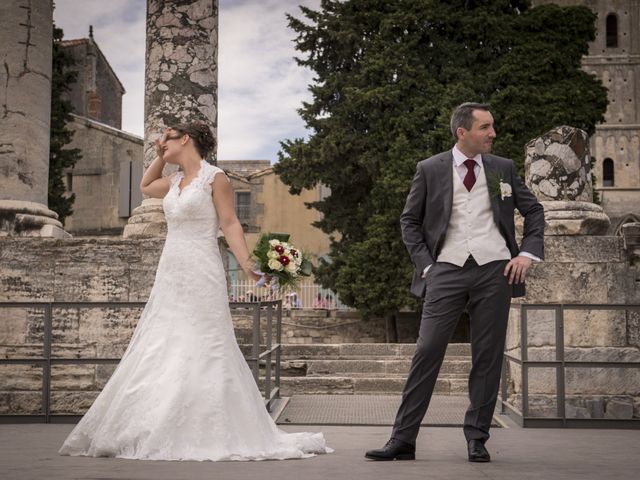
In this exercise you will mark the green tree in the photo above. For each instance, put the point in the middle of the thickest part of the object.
(387, 75)
(61, 158)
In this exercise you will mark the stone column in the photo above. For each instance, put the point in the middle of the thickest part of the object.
(181, 84)
(558, 172)
(26, 42)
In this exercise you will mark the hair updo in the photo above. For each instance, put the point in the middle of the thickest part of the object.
(201, 135)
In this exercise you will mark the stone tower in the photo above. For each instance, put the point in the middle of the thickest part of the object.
(614, 57)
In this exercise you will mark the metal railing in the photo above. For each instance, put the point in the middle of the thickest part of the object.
(560, 364)
(47, 360)
(271, 392)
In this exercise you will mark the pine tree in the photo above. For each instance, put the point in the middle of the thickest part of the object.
(61, 158)
(388, 74)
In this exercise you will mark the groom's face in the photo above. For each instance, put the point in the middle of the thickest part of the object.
(481, 136)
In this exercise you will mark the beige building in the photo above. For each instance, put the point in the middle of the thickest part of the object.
(264, 204)
(614, 57)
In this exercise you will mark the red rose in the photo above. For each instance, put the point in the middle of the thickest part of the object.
(284, 260)
(294, 253)
(279, 249)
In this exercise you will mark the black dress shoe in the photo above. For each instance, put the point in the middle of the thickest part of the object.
(478, 452)
(393, 450)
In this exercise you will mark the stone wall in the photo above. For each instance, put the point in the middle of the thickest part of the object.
(581, 269)
(577, 269)
(105, 270)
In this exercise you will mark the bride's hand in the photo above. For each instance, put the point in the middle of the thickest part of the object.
(254, 276)
(160, 147)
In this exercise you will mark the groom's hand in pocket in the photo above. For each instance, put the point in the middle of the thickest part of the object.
(517, 268)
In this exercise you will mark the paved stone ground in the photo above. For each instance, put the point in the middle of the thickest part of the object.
(30, 452)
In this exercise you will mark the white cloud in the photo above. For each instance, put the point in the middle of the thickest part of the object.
(260, 85)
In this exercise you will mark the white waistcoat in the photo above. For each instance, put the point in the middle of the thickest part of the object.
(472, 230)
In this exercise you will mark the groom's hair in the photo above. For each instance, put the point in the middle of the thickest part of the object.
(463, 116)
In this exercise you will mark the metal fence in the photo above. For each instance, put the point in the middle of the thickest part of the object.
(48, 359)
(308, 295)
(560, 364)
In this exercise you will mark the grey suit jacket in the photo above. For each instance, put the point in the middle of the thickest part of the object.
(425, 218)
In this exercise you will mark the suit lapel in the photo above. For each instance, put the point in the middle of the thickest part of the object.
(491, 171)
(446, 164)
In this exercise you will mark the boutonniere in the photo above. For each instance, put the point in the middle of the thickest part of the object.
(497, 186)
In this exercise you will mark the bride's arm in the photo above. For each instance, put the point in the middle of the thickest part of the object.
(153, 184)
(230, 225)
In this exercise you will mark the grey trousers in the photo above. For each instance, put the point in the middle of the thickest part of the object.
(450, 288)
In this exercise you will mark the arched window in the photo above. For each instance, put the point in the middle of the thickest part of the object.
(607, 173)
(612, 30)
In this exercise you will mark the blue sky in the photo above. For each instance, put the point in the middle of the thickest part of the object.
(260, 85)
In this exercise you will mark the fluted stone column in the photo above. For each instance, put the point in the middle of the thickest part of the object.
(26, 39)
(181, 85)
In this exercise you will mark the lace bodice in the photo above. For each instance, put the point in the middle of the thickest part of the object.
(190, 212)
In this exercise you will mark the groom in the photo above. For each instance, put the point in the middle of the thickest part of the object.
(459, 229)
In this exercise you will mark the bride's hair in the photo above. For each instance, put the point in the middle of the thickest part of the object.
(201, 135)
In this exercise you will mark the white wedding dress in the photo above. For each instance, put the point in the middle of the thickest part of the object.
(183, 390)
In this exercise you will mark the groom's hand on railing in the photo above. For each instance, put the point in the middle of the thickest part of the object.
(516, 270)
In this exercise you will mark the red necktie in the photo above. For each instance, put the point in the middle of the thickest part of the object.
(470, 178)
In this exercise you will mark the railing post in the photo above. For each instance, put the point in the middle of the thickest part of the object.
(255, 348)
(524, 343)
(503, 385)
(46, 367)
(279, 345)
(560, 370)
(267, 366)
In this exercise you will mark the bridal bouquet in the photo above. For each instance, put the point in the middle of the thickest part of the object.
(276, 257)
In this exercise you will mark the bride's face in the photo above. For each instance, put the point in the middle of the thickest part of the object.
(173, 143)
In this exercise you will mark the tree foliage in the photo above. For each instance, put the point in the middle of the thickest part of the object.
(61, 158)
(387, 75)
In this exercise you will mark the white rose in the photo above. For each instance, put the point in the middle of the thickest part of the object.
(291, 268)
(274, 264)
(272, 254)
(505, 190)
(274, 242)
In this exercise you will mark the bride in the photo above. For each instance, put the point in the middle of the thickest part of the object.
(183, 390)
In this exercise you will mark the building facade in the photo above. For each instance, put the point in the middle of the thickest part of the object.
(614, 57)
(105, 181)
(97, 92)
(264, 204)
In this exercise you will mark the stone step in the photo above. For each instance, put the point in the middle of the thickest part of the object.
(357, 350)
(386, 367)
(454, 385)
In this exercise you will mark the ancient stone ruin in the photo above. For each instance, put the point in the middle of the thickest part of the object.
(582, 266)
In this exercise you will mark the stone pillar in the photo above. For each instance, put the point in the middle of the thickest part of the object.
(181, 84)
(558, 172)
(26, 42)
(582, 266)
